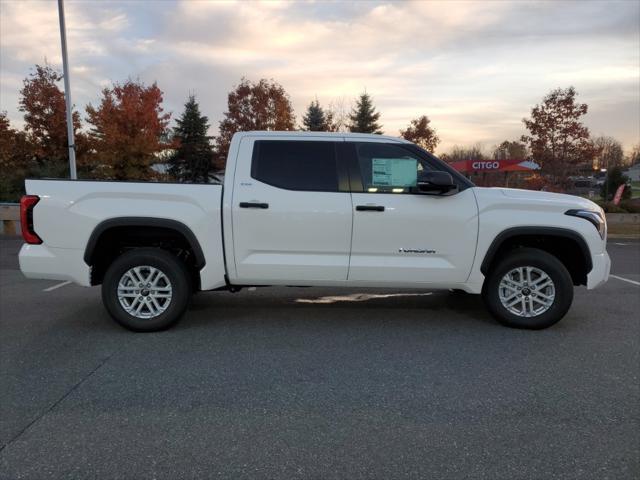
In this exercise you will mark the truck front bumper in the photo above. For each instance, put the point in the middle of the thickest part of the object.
(41, 261)
(599, 274)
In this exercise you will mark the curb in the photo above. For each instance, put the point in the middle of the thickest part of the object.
(9, 227)
(9, 218)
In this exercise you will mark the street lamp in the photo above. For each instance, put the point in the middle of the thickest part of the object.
(67, 92)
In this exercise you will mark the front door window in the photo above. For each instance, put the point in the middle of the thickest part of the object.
(387, 168)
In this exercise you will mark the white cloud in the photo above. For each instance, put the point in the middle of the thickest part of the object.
(475, 68)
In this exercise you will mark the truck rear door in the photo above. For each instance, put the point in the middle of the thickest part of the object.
(291, 212)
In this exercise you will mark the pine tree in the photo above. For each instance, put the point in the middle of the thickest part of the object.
(193, 158)
(613, 180)
(364, 118)
(316, 119)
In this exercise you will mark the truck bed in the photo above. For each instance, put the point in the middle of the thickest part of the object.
(69, 211)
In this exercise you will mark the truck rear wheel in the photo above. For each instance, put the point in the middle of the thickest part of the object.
(146, 289)
(529, 288)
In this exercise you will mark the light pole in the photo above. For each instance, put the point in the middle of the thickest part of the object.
(67, 92)
(606, 184)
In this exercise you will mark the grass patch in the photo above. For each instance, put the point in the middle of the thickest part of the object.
(624, 229)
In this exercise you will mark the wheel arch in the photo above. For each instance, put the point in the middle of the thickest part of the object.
(99, 251)
(554, 240)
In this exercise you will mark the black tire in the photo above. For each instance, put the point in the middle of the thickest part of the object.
(172, 267)
(523, 257)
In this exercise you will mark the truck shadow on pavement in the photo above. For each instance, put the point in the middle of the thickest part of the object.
(364, 306)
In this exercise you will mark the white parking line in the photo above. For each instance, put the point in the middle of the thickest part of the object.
(57, 286)
(625, 279)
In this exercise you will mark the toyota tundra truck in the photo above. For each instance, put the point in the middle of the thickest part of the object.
(315, 209)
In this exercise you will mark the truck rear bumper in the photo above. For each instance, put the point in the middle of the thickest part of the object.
(599, 274)
(41, 261)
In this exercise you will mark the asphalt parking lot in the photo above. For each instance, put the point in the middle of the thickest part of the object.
(319, 383)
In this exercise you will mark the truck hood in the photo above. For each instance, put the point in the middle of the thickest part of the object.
(535, 198)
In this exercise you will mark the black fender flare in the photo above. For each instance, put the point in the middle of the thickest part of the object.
(144, 222)
(535, 231)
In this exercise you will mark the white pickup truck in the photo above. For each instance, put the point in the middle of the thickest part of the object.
(315, 209)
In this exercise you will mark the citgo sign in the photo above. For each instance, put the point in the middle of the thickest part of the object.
(506, 165)
(491, 165)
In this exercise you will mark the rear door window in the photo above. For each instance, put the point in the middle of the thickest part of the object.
(296, 165)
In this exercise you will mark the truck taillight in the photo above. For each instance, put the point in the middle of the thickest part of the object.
(27, 202)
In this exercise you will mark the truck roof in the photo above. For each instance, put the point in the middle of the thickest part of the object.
(347, 135)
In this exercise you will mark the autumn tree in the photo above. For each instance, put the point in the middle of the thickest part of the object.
(45, 119)
(557, 138)
(192, 160)
(459, 153)
(510, 150)
(264, 105)
(16, 160)
(339, 112)
(13, 146)
(316, 119)
(608, 152)
(421, 133)
(128, 130)
(364, 118)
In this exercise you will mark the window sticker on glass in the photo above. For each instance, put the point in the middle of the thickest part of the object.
(394, 172)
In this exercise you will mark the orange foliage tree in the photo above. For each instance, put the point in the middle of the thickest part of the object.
(558, 140)
(128, 131)
(45, 121)
(421, 133)
(15, 150)
(16, 160)
(254, 106)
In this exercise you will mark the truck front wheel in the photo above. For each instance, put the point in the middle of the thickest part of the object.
(146, 289)
(529, 288)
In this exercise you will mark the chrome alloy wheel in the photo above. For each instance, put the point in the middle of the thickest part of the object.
(144, 292)
(526, 291)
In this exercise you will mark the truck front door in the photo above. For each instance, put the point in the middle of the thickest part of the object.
(291, 212)
(401, 237)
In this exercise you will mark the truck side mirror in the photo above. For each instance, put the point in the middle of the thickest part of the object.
(435, 183)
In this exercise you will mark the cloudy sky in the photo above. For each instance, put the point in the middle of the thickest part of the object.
(475, 68)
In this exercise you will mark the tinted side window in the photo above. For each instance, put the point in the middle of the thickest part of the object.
(296, 165)
(386, 167)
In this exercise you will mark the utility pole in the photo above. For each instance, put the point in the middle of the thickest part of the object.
(606, 184)
(67, 92)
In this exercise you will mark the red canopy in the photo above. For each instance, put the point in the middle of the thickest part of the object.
(475, 166)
